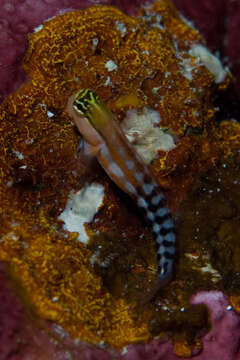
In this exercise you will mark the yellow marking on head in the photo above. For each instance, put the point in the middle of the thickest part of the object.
(91, 107)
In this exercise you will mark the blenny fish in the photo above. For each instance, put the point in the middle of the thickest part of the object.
(125, 167)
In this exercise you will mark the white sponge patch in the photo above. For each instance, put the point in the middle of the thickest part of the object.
(212, 63)
(80, 208)
(143, 132)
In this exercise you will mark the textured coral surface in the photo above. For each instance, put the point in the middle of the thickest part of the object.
(217, 20)
(19, 18)
(40, 167)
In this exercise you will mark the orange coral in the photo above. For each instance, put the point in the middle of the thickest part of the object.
(130, 63)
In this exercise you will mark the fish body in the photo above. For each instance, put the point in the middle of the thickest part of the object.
(126, 168)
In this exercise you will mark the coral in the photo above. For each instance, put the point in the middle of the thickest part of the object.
(93, 291)
(218, 21)
(18, 18)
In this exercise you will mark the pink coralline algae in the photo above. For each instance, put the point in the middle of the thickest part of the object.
(11, 314)
(20, 341)
(222, 341)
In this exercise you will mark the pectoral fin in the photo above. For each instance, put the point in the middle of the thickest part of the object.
(87, 153)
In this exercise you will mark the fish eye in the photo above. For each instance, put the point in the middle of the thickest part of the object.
(83, 101)
(80, 106)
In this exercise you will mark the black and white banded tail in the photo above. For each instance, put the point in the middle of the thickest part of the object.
(158, 216)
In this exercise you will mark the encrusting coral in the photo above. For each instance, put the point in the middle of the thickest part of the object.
(152, 63)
